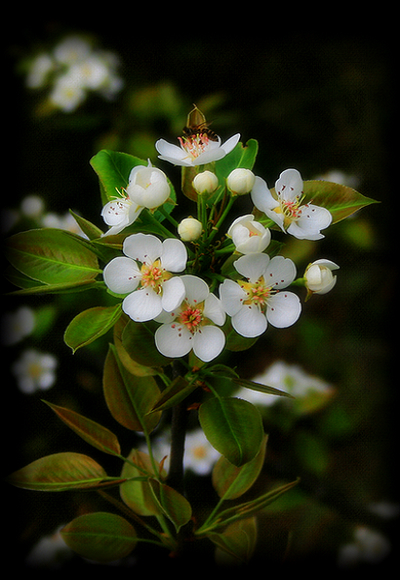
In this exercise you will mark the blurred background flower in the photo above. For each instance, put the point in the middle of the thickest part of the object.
(323, 105)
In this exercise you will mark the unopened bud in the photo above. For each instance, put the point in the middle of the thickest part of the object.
(190, 229)
(205, 183)
(240, 181)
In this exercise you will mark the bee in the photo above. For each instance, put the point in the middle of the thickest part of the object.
(202, 129)
(196, 125)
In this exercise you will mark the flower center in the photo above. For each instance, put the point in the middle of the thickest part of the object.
(291, 210)
(191, 317)
(258, 293)
(195, 144)
(153, 276)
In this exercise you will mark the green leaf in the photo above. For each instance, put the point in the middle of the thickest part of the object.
(128, 397)
(90, 325)
(138, 341)
(113, 169)
(52, 256)
(176, 507)
(138, 495)
(90, 431)
(230, 481)
(260, 388)
(238, 540)
(100, 536)
(86, 226)
(176, 392)
(131, 365)
(62, 472)
(233, 426)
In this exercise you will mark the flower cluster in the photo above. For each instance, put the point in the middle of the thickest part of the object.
(173, 284)
(73, 69)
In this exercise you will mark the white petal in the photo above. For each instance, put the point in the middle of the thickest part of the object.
(122, 275)
(283, 309)
(313, 219)
(327, 263)
(116, 212)
(249, 321)
(262, 197)
(173, 340)
(213, 310)
(252, 266)
(133, 173)
(280, 272)
(230, 143)
(232, 296)
(143, 247)
(208, 343)
(289, 185)
(172, 153)
(196, 289)
(173, 293)
(174, 255)
(142, 305)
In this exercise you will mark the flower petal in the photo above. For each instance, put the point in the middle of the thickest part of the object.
(213, 310)
(262, 197)
(174, 255)
(172, 153)
(196, 289)
(208, 343)
(122, 275)
(230, 143)
(173, 293)
(143, 247)
(280, 272)
(249, 321)
(252, 266)
(142, 305)
(289, 185)
(232, 296)
(173, 340)
(283, 309)
(313, 219)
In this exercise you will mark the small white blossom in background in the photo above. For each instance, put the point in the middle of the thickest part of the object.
(32, 206)
(62, 222)
(200, 455)
(254, 302)
(146, 275)
(249, 236)
(338, 176)
(290, 378)
(368, 547)
(73, 69)
(319, 278)
(301, 221)
(15, 326)
(34, 371)
(50, 552)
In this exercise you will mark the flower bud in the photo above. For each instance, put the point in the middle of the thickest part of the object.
(190, 229)
(249, 236)
(240, 181)
(205, 183)
(319, 278)
(148, 186)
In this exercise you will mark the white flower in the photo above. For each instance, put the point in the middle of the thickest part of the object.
(39, 71)
(67, 93)
(257, 301)
(17, 325)
(192, 324)
(196, 149)
(200, 455)
(248, 235)
(190, 229)
(72, 49)
(34, 370)
(319, 277)
(205, 182)
(148, 186)
(151, 286)
(240, 181)
(369, 546)
(301, 221)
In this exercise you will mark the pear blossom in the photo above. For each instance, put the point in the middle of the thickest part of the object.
(148, 188)
(319, 278)
(35, 370)
(301, 221)
(192, 324)
(254, 302)
(145, 273)
(240, 181)
(248, 235)
(196, 149)
(200, 456)
(15, 326)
